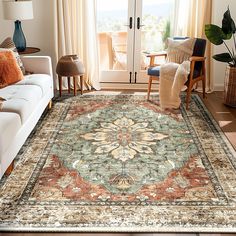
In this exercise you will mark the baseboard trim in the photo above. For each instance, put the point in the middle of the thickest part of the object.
(122, 86)
(127, 86)
(219, 87)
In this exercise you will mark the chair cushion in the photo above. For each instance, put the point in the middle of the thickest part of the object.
(199, 48)
(42, 80)
(198, 51)
(10, 123)
(196, 73)
(21, 99)
(154, 71)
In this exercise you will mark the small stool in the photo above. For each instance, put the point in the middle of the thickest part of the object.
(70, 66)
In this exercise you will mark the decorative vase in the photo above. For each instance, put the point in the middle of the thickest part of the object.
(19, 38)
(230, 87)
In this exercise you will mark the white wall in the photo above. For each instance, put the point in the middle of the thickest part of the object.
(38, 32)
(218, 68)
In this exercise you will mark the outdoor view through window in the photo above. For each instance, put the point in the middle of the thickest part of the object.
(113, 29)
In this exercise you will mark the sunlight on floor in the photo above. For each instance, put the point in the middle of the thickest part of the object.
(224, 123)
(223, 112)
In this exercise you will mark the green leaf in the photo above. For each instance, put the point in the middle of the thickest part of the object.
(228, 25)
(214, 34)
(223, 57)
(226, 36)
(233, 26)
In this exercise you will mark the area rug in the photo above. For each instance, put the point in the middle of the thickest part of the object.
(121, 164)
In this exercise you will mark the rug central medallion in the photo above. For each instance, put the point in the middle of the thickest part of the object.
(124, 138)
(122, 152)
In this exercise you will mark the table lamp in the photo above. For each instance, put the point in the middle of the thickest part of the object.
(18, 10)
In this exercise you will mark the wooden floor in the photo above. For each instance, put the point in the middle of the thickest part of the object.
(226, 118)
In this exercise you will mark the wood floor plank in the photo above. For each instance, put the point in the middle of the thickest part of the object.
(224, 115)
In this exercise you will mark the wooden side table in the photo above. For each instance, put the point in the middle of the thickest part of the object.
(30, 50)
(70, 66)
(75, 80)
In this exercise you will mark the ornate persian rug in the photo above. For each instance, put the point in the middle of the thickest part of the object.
(121, 164)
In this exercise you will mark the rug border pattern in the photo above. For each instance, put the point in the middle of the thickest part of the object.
(151, 226)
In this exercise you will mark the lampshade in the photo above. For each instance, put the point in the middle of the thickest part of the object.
(18, 10)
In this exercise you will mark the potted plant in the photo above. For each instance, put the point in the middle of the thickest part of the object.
(219, 35)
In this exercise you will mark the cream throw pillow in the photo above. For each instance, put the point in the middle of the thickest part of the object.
(179, 51)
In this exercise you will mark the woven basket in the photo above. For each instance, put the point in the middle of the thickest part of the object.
(230, 87)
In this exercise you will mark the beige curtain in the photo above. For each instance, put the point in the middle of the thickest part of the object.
(191, 16)
(76, 33)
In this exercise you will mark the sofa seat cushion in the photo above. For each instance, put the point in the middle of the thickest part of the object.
(21, 99)
(42, 80)
(10, 123)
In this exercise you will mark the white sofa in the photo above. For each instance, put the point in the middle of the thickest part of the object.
(25, 103)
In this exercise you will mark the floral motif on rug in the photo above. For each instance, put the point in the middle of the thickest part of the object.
(95, 163)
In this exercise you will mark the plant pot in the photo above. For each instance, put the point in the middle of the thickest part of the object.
(230, 87)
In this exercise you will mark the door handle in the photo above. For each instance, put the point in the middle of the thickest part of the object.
(138, 23)
(135, 76)
(130, 77)
(130, 23)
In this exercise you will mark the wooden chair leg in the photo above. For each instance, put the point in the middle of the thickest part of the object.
(75, 85)
(204, 80)
(60, 85)
(204, 87)
(9, 169)
(50, 105)
(149, 88)
(68, 81)
(81, 83)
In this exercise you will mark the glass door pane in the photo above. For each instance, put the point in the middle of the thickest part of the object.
(114, 37)
(155, 28)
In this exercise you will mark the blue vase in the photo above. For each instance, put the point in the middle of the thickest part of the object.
(19, 38)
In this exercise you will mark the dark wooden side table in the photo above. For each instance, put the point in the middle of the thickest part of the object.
(30, 50)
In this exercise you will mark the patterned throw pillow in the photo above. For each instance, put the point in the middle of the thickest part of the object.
(10, 72)
(179, 51)
(9, 44)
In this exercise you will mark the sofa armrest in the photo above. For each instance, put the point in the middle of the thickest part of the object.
(38, 64)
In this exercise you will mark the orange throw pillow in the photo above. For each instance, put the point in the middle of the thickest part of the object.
(10, 71)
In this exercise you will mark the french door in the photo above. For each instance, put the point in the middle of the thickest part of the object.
(127, 31)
